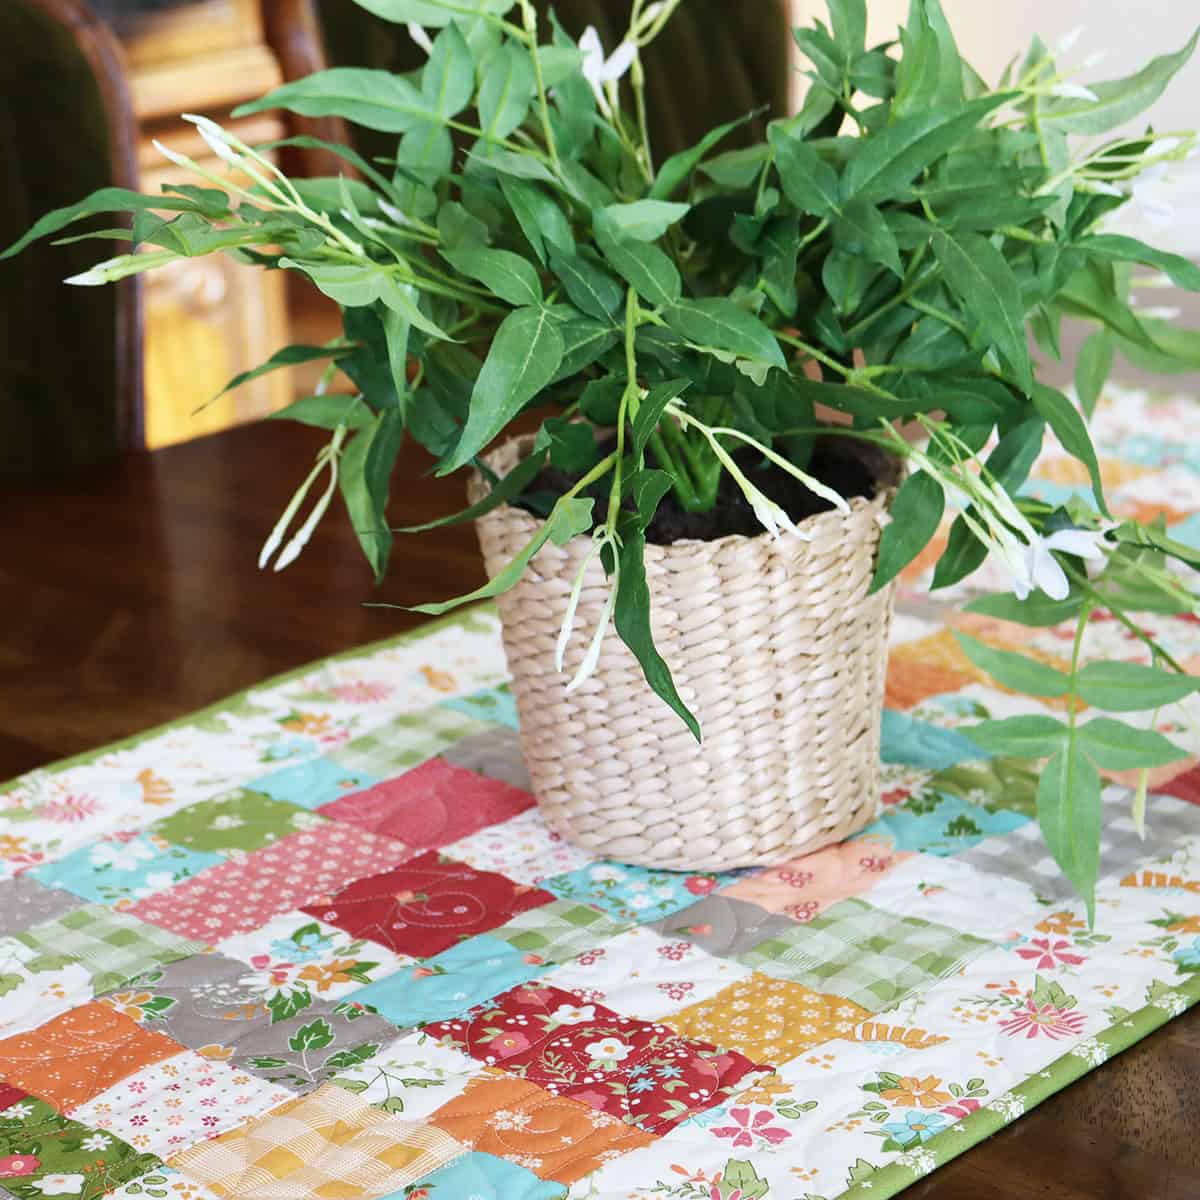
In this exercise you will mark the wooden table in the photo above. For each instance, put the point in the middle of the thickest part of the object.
(130, 596)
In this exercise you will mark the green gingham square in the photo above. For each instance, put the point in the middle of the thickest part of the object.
(559, 931)
(112, 946)
(865, 954)
(407, 741)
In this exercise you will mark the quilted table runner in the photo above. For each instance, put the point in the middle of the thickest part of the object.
(316, 942)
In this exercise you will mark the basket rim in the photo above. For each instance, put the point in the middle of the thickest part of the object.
(881, 501)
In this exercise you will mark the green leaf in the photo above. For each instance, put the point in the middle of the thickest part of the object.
(508, 163)
(584, 341)
(879, 166)
(1021, 737)
(964, 554)
(572, 444)
(1181, 271)
(651, 273)
(1037, 611)
(1015, 671)
(314, 1036)
(632, 620)
(289, 356)
(541, 220)
(325, 412)
(370, 98)
(1130, 687)
(643, 220)
(433, 13)
(678, 167)
(736, 170)
(526, 352)
(106, 200)
(569, 518)
(592, 290)
(650, 410)
(508, 275)
(719, 323)
(1093, 365)
(365, 477)
(809, 182)
(916, 515)
(1016, 452)
(1070, 813)
(506, 92)
(396, 330)
(1064, 418)
(989, 292)
(1117, 100)
(448, 81)
(849, 21)
(862, 230)
(509, 488)
(344, 1059)
(1116, 746)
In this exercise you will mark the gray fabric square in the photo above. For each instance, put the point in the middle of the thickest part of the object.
(723, 926)
(25, 903)
(495, 753)
(1022, 854)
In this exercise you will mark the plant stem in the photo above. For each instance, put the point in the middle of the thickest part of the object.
(531, 28)
(812, 352)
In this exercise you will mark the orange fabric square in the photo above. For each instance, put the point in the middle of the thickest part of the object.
(76, 1056)
(768, 1020)
(808, 885)
(551, 1136)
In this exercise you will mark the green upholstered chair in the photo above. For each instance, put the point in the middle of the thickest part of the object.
(70, 369)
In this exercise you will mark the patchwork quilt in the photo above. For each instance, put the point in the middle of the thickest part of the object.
(316, 942)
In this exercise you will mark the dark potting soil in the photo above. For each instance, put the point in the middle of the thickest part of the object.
(840, 464)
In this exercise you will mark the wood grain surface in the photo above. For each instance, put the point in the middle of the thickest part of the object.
(130, 596)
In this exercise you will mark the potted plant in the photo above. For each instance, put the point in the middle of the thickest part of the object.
(725, 343)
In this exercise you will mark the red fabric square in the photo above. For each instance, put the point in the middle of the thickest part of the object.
(245, 893)
(427, 905)
(1183, 787)
(10, 1095)
(641, 1073)
(431, 806)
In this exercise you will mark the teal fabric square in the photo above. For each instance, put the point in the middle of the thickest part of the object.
(636, 894)
(449, 983)
(941, 824)
(916, 743)
(477, 1176)
(115, 870)
(493, 704)
(313, 783)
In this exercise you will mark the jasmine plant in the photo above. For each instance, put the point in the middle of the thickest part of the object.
(880, 255)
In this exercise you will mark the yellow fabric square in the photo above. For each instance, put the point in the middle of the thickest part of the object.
(768, 1020)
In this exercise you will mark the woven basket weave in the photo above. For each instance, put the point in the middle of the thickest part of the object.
(775, 646)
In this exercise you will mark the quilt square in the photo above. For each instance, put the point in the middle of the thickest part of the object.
(812, 883)
(641, 1073)
(76, 1056)
(939, 822)
(406, 741)
(43, 1153)
(328, 1144)
(173, 1104)
(496, 705)
(636, 895)
(112, 946)
(413, 1075)
(245, 893)
(311, 783)
(295, 959)
(866, 955)
(642, 975)
(308, 1050)
(24, 902)
(556, 932)
(520, 847)
(431, 805)
(124, 867)
(555, 1138)
(768, 1020)
(451, 982)
(1022, 854)
(494, 752)
(236, 823)
(723, 925)
(427, 905)
(35, 987)
(486, 1177)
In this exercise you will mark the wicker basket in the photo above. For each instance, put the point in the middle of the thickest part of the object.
(774, 645)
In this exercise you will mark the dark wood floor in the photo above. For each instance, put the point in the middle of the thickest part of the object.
(129, 596)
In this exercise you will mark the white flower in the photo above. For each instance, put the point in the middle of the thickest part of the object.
(217, 140)
(157, 881)
(18, 1112)
(772, 518)
(1073, 91)
(502, 1118)
(418, 35)
(120, 856)
(571, 1014)
(96, 1142)
(1069, 40)
(640, 901)
(1091, 1051)
(59, 1185)
(606, 874)
(226, 821)
(1148, 190)
(600, 71)
(1010, 1107)
(1172, 1002)
(1043, 570)
(609, 1049)
(920, 1161)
